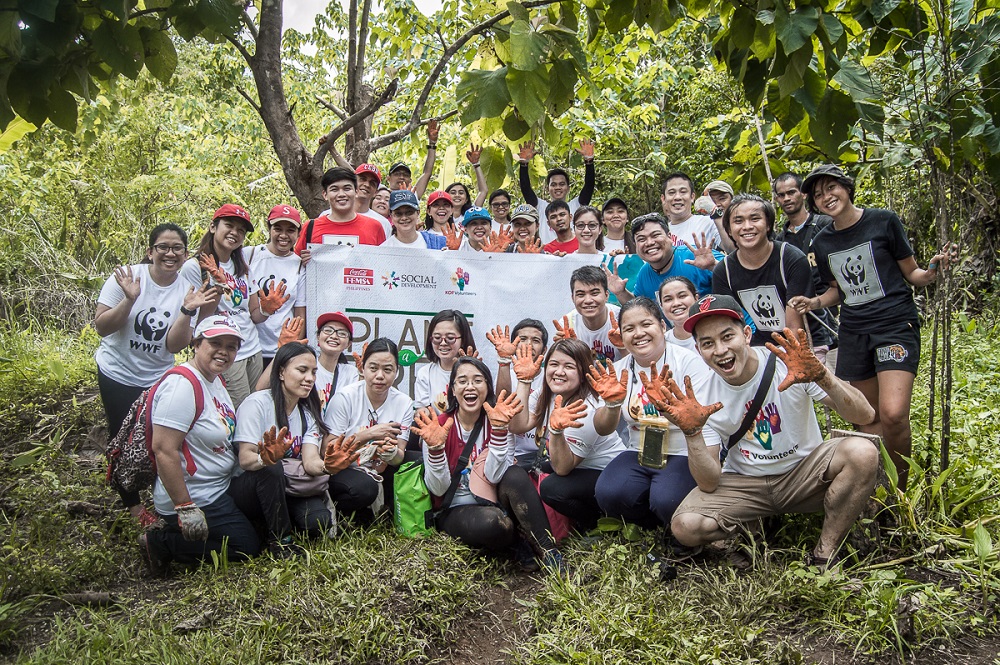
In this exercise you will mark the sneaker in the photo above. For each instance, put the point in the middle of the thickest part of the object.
(552, 562)
(149, 520)
(674, 550)
(525, 557)
(824, 564)
(158, 562)
(284, 549)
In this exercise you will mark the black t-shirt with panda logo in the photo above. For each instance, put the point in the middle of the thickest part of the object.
(763, 292)
(862, 259)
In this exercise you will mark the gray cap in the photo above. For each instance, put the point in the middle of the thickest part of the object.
(525, 211)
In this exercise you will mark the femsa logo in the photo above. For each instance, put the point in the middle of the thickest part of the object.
(894, 352)
(359, 277)
(390, 281)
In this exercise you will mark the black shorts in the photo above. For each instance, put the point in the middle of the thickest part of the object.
(863, 356)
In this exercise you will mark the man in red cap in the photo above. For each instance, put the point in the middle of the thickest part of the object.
(369, 179)
(760, 405)
(277, 263)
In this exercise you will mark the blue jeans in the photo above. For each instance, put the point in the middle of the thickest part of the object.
(224, 521)
(641, 495)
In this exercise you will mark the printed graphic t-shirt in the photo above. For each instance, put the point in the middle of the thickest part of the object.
(256, 415)
(597, 340)
(235, 301)
(327, 387)
(359, 231)
(862, 259)
(596, 450)
(350, 411)
(692, 228)
(136, 354)
(268, 268)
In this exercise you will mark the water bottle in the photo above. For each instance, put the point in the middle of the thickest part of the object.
(463, 481)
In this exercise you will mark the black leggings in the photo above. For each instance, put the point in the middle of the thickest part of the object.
(260, 495)
(573, 495)
(118, 399)
(354, 491)
(495, 527)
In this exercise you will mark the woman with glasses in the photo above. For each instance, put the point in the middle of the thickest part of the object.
(587, 226)
(448, 336)
(500, 208)
(335, 369)
(144, 317)
(378, 416)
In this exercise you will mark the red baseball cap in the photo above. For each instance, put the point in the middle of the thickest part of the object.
(287, 213)
(234, 211)
(369, 168)
(338, 317)
(438, 195)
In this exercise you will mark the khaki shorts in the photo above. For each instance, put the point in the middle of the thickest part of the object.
(740, 498)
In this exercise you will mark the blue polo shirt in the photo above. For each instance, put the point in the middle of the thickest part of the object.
(648, 281)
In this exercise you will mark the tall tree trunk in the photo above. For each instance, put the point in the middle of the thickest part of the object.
(296, 161)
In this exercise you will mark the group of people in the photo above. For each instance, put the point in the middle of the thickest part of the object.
(687, 405)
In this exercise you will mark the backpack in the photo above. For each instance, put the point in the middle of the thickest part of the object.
(131, 463)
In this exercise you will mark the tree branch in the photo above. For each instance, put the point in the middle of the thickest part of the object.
(330, 106)
(359, 64)
(352, 54)
(242, 49)
(479, 28)
(358, 117)
(246, 96)
(248, 22)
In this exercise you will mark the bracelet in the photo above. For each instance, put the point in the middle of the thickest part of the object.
(188, 312)
(503, 361)
(523, 381)
(553, 430)
(475, 165)
(693, 432)
(185, 506)
(932, 266)
(614, 405)
(260, 460)
(432, 146)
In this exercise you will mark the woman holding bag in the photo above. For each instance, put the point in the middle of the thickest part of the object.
(288, 412)
(480, 498)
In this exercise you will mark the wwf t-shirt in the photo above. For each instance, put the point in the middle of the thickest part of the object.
(862, 259)
(268, 269)
(763, 292)
(235, 301)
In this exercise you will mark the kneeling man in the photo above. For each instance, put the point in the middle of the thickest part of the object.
(778, 461)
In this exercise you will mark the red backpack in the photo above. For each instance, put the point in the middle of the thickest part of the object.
(131, 463)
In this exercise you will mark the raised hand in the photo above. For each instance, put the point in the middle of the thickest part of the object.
(340, 453)
(566, 416)
(473, 153)
(803, 365)
(616, 284)
(605, 382)
(941, 260)
(206, 295)
(586, 150)
(500, 339)
(684, 410)
(533, 246)
(453, 236)
(615, 333)
(526, 368)
(656, 387)
(358, 359)
(291, 330)
(469, 352)
(426, 425)
(275, 297)
(703, 256)
(208, 264)
(128, 282)
(563, 331)
(526, 151)
(507, 407)
(497, 243)
(274, 446)
(432, 131)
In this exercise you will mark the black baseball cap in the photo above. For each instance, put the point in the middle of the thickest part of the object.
(713, 305)
(831, 170)
(614, 199)
(399, 166)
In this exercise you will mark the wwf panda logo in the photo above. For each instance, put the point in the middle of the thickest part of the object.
(853, 270)
(151, 324)
(763, 306)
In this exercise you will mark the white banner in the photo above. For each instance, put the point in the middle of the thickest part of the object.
(394, 292)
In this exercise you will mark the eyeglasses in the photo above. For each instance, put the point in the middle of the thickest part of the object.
(500, 205)
(327, 331)
(447, 339)
(586, 227)
(167, 249)
(477, 382)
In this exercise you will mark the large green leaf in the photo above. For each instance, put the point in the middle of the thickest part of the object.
(961, 11)
(482, 94)
(795, 29)
(161, 57)
(879, 9)
(742, 28)
(619, 15)
(528, 90)
(811, 93)
(518, 12)
(561, 91)
(121, 49)
(43, 9)
(514, 128)
(526, 46)
(62, 109)
(833, 122)
(17, 128)
(494, 167)
(856, 80)
(222, 16)
(10, 35)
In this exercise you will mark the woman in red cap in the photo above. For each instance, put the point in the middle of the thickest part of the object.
(439, 206)
(220, 262)
(335, 370)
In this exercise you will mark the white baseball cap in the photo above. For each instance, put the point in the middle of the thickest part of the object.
(217, 326)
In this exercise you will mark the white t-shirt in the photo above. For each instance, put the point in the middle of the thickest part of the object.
(136, 354)
(688, 343)
(394, 241)
(785, 431)
(207, 457)
(266, 267)
(692, 228)
(350, 411)
(597, 340)
(525, 443)
(682, 363)
(380, 218)
(235, 301)
(545, 232)
(596, 450)
(256, 415)
(611, 245)
(430, 386)
(347, 374)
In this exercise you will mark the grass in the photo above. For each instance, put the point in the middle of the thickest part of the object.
(370, 596)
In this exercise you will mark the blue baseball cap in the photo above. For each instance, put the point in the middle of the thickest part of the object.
(403, 197)
(475, 213)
